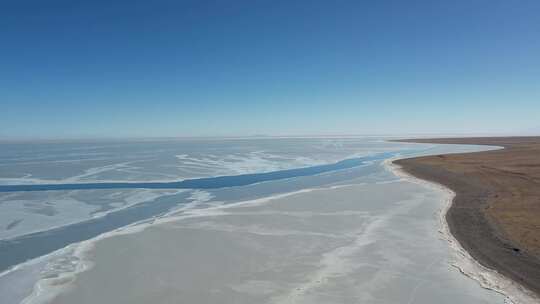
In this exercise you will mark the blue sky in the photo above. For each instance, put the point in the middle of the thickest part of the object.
(203, 68)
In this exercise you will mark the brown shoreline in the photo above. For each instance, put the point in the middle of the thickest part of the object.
(496, 212)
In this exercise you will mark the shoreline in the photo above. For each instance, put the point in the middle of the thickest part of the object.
(474, 219)
(47, 289)
(487, 278)
(336, 259)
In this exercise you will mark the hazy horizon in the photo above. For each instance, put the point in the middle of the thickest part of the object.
(83, 138)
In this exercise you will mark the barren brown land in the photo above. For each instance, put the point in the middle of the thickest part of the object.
(496, 212)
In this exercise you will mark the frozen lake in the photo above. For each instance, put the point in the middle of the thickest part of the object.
(350, 234)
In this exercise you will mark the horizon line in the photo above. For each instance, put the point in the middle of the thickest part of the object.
(260, 136)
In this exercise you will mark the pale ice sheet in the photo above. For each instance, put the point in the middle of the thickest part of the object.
(168, 160)
(27, 212)
(370, 243)
(299, 228)
(31, 163)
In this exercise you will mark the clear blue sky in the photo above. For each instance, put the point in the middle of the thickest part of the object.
(196, 68)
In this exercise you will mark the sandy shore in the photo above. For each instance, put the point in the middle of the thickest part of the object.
(495, 214)
(462, 260)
